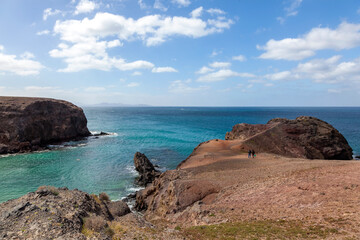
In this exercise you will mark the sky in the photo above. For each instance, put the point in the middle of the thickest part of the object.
(182, 52)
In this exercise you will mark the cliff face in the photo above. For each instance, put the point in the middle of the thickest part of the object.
(304, 137)
(27, 124)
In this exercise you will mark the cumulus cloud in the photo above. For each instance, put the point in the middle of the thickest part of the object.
(93, 55)
(152, 29)
(329, 71)
(163, 69)
(83, 46)
(23, 66)
(345, 36)
(240, 58)
(196, 12)
(223, 74)
(220, 64)
(182, 3)
(215, 11)
(158, 5)
(85, 6)
(183, 87)
(49, 12)
(204, 70)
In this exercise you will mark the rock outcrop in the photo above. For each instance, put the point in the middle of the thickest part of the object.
(146, 170)
(57, 213)
(304, 137)
(29, 124)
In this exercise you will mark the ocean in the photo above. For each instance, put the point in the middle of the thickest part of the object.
(167, 135)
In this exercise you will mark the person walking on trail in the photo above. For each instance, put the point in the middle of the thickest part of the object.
(253, 153)
(249, 153)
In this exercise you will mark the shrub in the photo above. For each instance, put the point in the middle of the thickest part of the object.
(104, 197)
(94, 223)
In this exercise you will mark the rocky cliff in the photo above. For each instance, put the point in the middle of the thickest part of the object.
(59, 213)
(304, 137)
(29, 124)
(216, 165)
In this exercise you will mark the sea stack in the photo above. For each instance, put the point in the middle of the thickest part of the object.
(29, 124)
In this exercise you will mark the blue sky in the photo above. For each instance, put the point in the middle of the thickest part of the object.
(182, 52)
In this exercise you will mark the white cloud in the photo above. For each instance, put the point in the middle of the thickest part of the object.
(285, 75)
(215, 53)
(215, 11)
(85, 6)
(223, 74)
(44, 32)
(152, 29)
(330, 71)
(163, 69)
(196, 13)
(93, 55)
(182, 3)
(94, 89)
(204, 70)
(346, 36)
(142, 4)
(220, 64)
(49, 12)
(133, 84)
(23, 66)
(290, 11)
(27, 55)
(240, 58)
(160, 6)
(83, 48)
(183, 87)
(136, 73)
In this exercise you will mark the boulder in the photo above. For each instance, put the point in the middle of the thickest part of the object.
(304, 137)
(146, 170)
(29, 124)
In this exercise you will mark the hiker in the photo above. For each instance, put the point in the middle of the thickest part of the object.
(249, 153)
(253, 153)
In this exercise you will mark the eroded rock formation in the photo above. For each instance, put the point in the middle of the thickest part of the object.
(146, 170)
(29, 124)
(304, 137)
(57, 213)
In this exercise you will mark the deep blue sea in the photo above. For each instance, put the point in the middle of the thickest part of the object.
(167, 135)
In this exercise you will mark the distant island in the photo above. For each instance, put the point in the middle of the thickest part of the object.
(105, 104)
(294, 185)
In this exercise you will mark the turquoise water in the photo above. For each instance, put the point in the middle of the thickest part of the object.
(166, 135)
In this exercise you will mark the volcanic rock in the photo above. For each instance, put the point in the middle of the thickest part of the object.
(145, 168)
(29, 124)
(304, 137)
(56, 213)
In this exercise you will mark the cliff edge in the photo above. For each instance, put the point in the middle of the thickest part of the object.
(29, 124)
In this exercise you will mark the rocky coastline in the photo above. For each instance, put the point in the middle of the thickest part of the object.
(30, 124)
(289, 191)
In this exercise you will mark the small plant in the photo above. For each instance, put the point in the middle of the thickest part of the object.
(94, 223)
(104, 197)
(177, 228)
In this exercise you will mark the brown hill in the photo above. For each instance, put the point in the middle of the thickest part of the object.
(304, 137)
